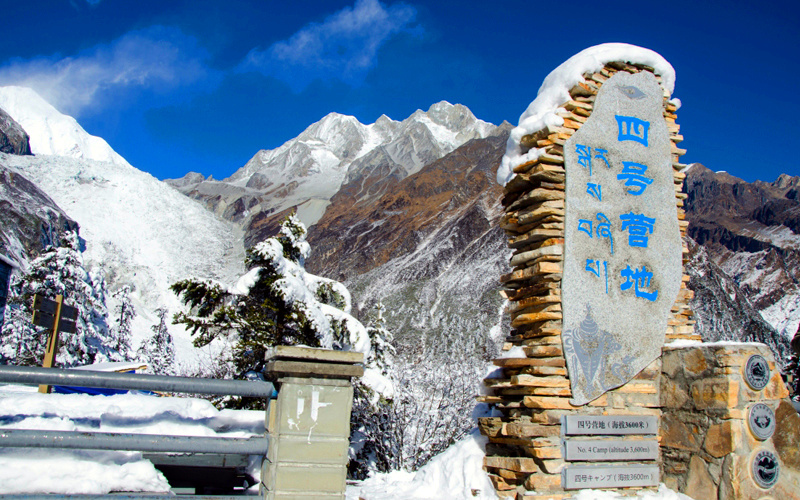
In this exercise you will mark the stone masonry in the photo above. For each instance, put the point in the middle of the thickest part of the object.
(524, 456)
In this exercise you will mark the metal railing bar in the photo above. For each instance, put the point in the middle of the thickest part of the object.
(20, 438)
(28, 375)
(124, 496)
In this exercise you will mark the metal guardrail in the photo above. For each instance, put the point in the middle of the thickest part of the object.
(19, 438)
(27, 375)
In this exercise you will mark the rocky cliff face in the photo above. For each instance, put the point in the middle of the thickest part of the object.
(752, 232)
(30, 219)
(13, 139)
(723, 310)
(428, 246)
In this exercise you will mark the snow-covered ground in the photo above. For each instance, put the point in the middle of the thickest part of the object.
(455, 474)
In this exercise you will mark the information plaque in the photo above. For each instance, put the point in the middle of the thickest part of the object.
(609, 451)
(608, 425)
(621, 476)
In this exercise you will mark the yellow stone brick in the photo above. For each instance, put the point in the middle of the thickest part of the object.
(776, 389)
(715, 393)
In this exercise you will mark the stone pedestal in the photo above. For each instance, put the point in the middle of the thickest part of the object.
(309, 425)
(719, 432)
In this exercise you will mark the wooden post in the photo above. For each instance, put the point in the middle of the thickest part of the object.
(52, 344)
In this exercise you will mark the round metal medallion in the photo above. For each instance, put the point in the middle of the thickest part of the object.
(766, 469)
(761, 420)
(756, 372)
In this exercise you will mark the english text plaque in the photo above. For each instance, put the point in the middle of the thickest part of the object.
(608, 425)
(609, 451)
(618, 476)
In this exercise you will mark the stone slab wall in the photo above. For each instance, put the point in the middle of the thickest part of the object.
(707, 445)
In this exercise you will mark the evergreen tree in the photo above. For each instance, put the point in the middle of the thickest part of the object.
(124, 312)
(159, 351)
(275, 303)
(58, 271)
(381, 355)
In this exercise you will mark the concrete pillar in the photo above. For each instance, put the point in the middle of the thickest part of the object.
(309, 425)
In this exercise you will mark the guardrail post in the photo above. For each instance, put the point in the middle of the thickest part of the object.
(309, 427)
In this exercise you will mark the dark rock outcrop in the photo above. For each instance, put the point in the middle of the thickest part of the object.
(29, 219)
(13, 138)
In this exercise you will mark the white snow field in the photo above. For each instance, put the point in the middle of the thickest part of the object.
(137, 229)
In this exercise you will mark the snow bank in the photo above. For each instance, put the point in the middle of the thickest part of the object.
(28, 471)
(455, 474)
(555, 91)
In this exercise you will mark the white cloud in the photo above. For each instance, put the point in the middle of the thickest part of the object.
(344, 46)
(157, 58)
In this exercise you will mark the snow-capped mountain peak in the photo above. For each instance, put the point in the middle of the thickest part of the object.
(52, 132)
(306, 171)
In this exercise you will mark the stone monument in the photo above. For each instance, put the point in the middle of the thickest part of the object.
(588, 396)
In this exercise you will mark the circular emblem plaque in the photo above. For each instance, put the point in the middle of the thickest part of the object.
(756, 372)
(761, 420)
(766, 469)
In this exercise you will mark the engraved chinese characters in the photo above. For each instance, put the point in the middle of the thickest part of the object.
(622, 257)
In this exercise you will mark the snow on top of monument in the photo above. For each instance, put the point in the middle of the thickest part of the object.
(555, 91)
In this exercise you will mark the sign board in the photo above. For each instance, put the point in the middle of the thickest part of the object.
(44, 311)
(608, 425)
(49, 306)
(622, 244)
(610, 450)
(617, 476)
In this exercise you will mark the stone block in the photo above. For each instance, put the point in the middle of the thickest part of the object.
(319, 450)
(675, 433)
(543, 482)
(699, 484)
(545, 452)
(552, 466)
(674, 395)
(530, 430)
(787, 436)
(499, 483)
(304, 479)
(722, 438)
(775, 389)
(516, 464)
(715, 393)
(695, 362)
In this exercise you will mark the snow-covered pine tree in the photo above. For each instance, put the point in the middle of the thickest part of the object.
(124, 312)
(382, 354)
(275, 303)
(58, 271)
(369, 425)
(159, 351)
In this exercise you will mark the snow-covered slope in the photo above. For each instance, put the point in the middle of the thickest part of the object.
(51, 132)
(137, 229)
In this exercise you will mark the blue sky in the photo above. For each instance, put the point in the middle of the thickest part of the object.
(197, 85)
